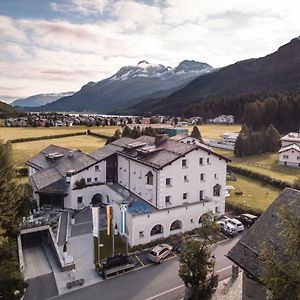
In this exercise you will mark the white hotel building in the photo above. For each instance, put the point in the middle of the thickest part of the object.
(289, 154)
(166, 185)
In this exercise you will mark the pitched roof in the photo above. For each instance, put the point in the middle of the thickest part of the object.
(292, 137)
(61, 159)
(160, 155)
(44, 177)
(289, 147)
(265, 232)
(110, 149)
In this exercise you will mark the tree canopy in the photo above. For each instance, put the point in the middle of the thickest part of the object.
(196, 134)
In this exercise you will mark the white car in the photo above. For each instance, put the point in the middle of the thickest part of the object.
(237, 224)
(159, 253)
(229, 229)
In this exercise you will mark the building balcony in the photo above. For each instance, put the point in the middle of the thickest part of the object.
(206, 199)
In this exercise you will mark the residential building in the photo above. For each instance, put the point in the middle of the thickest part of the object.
(222, 119)
(289, 153)
(266, 232)
(176, 130)
(165, 185)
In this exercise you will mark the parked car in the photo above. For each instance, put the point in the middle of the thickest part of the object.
(159, 253)
(237, 224)
(220, 224)
(247, 219)
(229, 230)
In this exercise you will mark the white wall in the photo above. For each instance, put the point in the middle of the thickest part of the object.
(293, 159)
(189, 216)
(132, 175)
(176, 172)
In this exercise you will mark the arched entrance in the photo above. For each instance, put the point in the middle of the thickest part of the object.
(97, 200)
(156, 230)
(176, 225)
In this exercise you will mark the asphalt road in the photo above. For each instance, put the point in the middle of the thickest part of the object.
(159, 282)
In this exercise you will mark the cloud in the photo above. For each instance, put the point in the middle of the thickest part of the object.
(82, 7)
(45, 55)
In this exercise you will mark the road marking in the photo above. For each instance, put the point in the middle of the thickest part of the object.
(165, 292)
(180, 286)
(139, 260)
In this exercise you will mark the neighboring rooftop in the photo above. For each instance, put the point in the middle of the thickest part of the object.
(292, 137)
(289, 147)
(265, 232)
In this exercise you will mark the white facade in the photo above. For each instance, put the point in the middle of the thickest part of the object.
(289, 154)
(179, 192)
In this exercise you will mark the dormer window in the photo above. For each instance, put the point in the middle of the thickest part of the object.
(149, 178)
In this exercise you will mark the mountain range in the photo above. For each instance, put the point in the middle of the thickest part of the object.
(130, 85)
(278, 72)
(40, 99)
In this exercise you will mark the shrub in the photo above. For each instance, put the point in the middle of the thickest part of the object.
(238, 208)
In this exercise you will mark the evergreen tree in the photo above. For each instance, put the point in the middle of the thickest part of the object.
(195, 258)
(196, 134)
(118, 134)
(126, 132)
(12, 209)
(272, 139)
(136, 132)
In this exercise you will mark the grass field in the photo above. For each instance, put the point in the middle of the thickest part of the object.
(9, 133)
(255, 195)
(266, 164)
(214, 131)
(23, 151)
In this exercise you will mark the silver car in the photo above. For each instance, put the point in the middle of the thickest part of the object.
(159, 253)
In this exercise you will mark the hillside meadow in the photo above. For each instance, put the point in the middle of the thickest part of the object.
(215, 131)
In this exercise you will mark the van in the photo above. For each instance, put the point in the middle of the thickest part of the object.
(159, 253)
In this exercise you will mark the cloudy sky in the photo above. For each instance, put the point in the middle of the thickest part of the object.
(59, 45)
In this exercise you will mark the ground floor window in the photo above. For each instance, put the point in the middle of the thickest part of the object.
(176, 225)
(79, 199)
(157, 229)
(141, 234)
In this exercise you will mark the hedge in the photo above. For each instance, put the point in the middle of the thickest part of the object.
(100, 135)
(46, 137)
(266, 179)
(239, 208)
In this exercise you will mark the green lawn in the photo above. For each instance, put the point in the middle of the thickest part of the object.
(266, 164)
(9, 133)
(214, 131)
(23, 151)
(255, 195)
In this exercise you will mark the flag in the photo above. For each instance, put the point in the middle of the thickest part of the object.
(108, 219)
(95, 214)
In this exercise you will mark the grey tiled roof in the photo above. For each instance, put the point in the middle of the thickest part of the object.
(110, 149)
(265, 232)
(164, 153)
(70, 160)
(44, 177)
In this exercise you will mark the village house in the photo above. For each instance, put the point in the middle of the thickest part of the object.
(289, 153)
(266, 232)
(165, 185)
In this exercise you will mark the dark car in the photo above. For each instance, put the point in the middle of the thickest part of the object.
(247, 219)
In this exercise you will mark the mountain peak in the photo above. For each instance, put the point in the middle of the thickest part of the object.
(192, 65)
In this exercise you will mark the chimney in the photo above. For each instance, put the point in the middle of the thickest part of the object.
(160, 138)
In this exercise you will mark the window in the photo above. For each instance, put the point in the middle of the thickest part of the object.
(168, 200)
(176, 225)
(184, 163)
(149, 178)
(184, 196)
(216, 176)
(89, 180)
(285, 156)
(192, 221)
(185, 178)
(216, 191)
(96, 179)
(201, 161)
(201, 195)
(208, 161)
(141, 234)
(202, 177)
(157, 229)
(140, 175)
(79, 199)
(168, 181)
(298, 157)
(217, 209)
(97, 168)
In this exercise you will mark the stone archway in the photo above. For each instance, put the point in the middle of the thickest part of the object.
(97, 200)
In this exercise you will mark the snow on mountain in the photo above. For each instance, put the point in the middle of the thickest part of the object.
(147, 70)
(40, 99)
